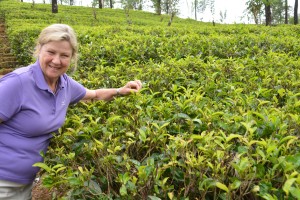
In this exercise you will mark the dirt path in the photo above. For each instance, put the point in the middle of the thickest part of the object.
(40, 193)
(8, 61)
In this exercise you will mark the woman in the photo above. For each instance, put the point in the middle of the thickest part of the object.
(34, 102)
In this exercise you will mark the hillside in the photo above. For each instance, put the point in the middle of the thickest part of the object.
(25, 18)
(218, 116)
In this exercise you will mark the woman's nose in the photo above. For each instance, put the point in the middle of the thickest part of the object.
(56, 59)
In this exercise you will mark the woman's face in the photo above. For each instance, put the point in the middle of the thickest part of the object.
(55, 58)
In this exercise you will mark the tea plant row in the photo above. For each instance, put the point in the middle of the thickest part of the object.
(218, 116)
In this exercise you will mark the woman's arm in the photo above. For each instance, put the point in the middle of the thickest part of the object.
(109, 93)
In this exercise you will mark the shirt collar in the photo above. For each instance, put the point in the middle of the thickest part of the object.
(40, 80)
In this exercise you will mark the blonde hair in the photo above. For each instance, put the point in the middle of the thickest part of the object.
(58, 32)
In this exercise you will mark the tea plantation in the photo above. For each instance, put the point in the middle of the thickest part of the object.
(217, 118)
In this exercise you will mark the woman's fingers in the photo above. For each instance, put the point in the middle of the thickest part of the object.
(137, 84)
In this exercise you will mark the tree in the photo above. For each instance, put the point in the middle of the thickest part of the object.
(276, 11)
(166, 6)
(223, 16)
(212, 9)
(255, 8)
(157, 4)
(105, 3)
(199, 6)
(100, 2)
(296, 12)
(132, 4)
(170, 7)
(268, 12)
(111, 3)
(286, 12)
(54, 6)
(279, 11)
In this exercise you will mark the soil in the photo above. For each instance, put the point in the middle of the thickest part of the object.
(40, 193)
(7, 60)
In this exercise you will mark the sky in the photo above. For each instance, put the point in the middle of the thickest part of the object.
(234, 10)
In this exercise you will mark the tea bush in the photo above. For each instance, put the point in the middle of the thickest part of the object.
(217, 118)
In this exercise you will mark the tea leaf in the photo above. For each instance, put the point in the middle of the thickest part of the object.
(142, 135)
(232, 136)
(123, 190)
(295, 192)
(287, 185)
(171, 195)
(94, 186)
(196, 137)
(236, 184)
(154, 198)
(222, 186)
(43, 166)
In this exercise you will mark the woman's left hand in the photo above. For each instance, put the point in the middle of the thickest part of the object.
(130, 87)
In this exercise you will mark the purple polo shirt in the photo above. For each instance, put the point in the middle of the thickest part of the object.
(30, 113)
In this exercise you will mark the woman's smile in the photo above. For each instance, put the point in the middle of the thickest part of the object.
(55, 58)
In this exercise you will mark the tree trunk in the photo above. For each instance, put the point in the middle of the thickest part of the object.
(171, 18)
(167, 8)
(158, 7)
(268, 13)
(54, 6)
(296, 12)
(196, 9)
(100, 4)
(111, 4)
(286, 12)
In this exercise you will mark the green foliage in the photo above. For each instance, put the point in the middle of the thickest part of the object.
(217, 118)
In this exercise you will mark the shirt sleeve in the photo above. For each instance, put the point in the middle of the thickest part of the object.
(78, 91)
(10, 96)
